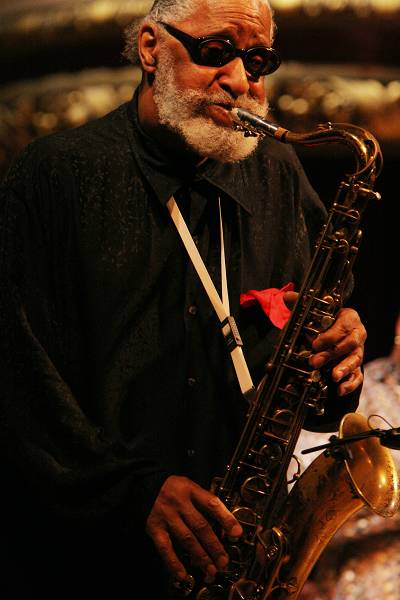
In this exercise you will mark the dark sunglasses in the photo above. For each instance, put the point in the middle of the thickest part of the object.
(213, 51)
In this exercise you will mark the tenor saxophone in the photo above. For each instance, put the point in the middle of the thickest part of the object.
(284, 534)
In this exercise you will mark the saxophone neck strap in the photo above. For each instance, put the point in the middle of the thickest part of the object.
(221, 306)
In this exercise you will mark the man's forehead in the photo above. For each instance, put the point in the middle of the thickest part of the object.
(250, 7)
(219, 15)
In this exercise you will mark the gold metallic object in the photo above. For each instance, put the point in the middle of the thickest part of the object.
(328, 493)
(285, 534)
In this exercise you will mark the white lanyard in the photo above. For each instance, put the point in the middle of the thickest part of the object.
(221, 307)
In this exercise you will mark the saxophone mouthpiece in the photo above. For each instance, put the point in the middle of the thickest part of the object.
(235, 115)
(253, 123)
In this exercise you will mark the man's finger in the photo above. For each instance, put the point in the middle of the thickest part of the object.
(189, 542)
(352, 383)
(346, 327)
(200, 541)
(163, 544)
(347, 366)
(217, 509)
(290, 299)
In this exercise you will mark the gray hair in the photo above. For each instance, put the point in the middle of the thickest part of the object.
(162, 10)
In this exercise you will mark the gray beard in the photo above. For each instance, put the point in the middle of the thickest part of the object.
(182, 111)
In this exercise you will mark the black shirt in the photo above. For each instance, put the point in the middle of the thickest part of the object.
(114, 371)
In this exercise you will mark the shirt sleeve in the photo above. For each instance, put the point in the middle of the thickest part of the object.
(52, 451)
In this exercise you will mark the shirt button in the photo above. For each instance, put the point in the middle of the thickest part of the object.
(192, 310)
(191, 381)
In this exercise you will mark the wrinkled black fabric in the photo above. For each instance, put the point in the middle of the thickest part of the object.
(114, 373)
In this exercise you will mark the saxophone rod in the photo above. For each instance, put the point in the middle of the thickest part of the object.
(389, 438)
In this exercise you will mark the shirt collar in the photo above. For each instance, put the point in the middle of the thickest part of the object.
(166, 178)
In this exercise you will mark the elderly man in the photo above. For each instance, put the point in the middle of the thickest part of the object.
(119, 399)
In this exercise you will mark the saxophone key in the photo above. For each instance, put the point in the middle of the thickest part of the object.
(326, 322)
(213, 592)
(254, 490)
(184, 588)
(244, 589)
(269, 454)
(248, 518)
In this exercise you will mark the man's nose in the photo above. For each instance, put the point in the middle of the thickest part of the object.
(233, 78)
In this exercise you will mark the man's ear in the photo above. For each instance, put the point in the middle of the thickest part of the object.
(148, 46)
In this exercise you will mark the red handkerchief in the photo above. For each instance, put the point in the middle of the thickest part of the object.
(271, 301)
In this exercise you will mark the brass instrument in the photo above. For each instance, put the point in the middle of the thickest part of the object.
(285, 534)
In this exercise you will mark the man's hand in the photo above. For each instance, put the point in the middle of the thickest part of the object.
(343, 345)
(181, 515)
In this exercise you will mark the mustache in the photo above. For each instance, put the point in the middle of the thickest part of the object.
(225, 100)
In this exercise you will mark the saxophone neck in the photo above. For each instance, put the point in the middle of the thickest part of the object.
(363, 144)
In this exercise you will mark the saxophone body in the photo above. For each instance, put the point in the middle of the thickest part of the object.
(285, 534)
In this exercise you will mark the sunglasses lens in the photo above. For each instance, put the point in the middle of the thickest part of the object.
(215, 53)
(258, 61)
(261, 61)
